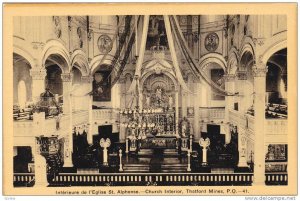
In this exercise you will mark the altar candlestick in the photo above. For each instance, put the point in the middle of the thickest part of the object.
(189, 161)
(121, 166)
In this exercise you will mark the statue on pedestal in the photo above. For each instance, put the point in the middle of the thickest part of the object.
(105, 144)
(184, 127)
(204, 143)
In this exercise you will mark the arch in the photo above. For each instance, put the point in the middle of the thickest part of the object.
(247, 45)
(61, 55)
(247, 54)
(279, 45)
(30, 59)
(168, 74)
(95, 63)
(233, 61)
(212, 58)
(79, 59)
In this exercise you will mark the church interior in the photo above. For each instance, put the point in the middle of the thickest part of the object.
(150, 100)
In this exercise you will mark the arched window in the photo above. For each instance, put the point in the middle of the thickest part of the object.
(22, 95)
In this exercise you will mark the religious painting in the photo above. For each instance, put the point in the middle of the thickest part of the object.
(102, 86)
(217, 77)
(156, 32)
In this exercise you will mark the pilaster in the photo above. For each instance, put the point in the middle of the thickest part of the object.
(38, 83)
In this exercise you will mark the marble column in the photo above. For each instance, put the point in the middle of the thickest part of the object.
(38, 83)
(259, 73)
(67, 110)
(229, 101)
(87, 81)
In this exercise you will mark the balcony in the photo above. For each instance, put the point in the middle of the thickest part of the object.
(25, 130)
(213, 113)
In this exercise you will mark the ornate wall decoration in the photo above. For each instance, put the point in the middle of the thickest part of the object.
(79, 34)
(211, 42)
(57, 26)
(105, 44)
(190, 111)
(196, 19)
(183, 20)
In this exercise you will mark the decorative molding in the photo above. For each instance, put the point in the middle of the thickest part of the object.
(211, 42)
(66, 77)
(38, 74)
(258, 41)
(37, 45)
(259, 71)
(104, 44)
(229, 78)
(87, 79)
(241, 75)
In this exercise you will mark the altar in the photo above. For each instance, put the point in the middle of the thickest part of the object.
(161, 142)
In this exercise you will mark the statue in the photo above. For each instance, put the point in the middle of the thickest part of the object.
(158, 94)
(170, 101)
(105, 144)
(204, 143)
(148, 101)
(184, 127)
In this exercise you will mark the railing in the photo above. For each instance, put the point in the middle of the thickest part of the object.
(142, 179)
(276, 179)
(276, 126)
(23, 128)
(212, 113)
(26, 128)
(102, 114)
(23, 179)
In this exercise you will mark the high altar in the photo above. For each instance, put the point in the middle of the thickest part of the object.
(152, 120)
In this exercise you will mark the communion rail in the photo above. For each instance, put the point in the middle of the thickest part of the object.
(145, 179)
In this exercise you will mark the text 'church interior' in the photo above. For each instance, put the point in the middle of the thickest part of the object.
(150, 100)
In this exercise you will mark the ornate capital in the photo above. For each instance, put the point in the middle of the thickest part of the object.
(259, 71)
(258, 41)
(241, 75)
(87, 79)
(66, 77)
(38, 74)
(229, 78)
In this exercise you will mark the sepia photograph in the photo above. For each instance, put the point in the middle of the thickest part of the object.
(163, 102)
